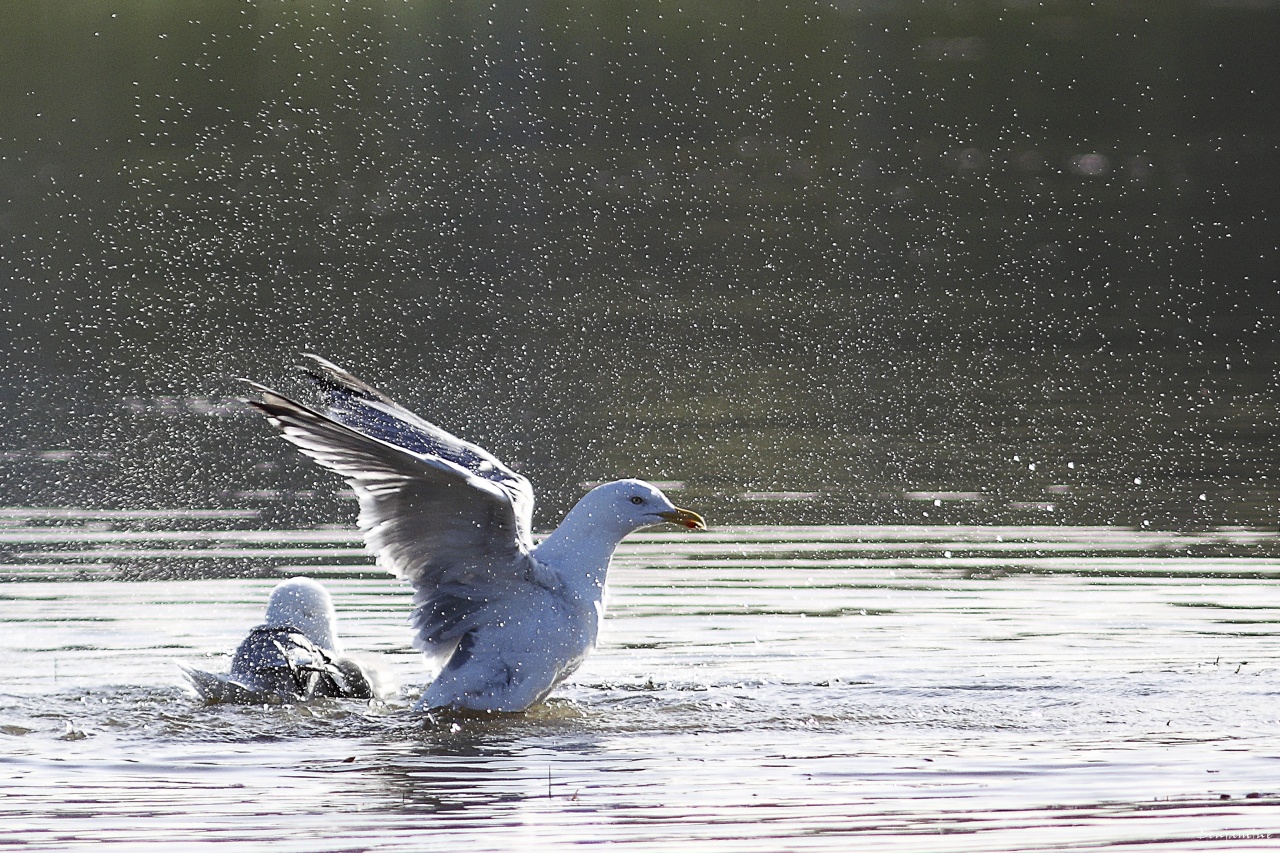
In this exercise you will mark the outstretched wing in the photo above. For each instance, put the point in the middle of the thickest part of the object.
(374, 414)
(427, 515)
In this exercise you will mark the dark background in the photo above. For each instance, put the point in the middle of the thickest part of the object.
(922, 261)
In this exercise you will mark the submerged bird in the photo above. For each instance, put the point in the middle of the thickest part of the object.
(292, 656)
(504, 620)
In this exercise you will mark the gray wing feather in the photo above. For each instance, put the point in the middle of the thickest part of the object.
(430, 519)
(372, 413)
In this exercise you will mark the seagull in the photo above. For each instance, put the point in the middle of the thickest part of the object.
(501, 620)
(292, 656)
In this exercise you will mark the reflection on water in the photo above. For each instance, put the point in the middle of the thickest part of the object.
(914, 688)
(909, 261)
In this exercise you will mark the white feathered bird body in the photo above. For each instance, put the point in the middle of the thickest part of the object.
(503, 620)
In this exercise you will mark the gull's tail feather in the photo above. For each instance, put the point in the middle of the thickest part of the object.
(216, 689)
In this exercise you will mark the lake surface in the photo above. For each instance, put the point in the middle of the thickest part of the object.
(905, 688)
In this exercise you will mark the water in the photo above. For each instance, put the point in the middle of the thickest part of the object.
(757, 688)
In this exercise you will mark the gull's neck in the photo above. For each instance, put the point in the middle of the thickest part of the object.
(579, 550)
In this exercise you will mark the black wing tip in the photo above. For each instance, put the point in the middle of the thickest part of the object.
(323, 372)
(256, 386)
(264, 405)
(277, 406)
(259, 406)
(328, 377)
(322, 361)
(332, 379)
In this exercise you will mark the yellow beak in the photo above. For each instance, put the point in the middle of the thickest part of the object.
(684, 517)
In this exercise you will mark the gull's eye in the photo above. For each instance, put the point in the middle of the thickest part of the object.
(637, 500)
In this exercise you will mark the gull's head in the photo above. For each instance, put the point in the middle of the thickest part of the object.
(631, 504)
(304, 604)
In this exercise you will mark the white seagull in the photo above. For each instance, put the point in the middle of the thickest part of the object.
(293, 656)
(503, 619)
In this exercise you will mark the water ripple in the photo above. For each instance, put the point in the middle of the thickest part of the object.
(809, 690)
